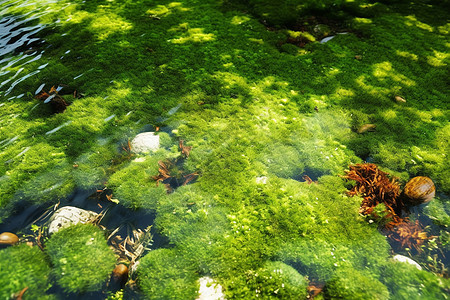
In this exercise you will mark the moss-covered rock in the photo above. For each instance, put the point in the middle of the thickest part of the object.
(353, 285)
(276, 280)
(438, 211)
(164, 274)
(407, 282)
(215, 76)
(81, 258)
(24, 266)
(134, 185)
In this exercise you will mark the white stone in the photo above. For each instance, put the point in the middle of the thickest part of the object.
(145, 142)
(261, 179)
(407, 260)
(67, 216)
(209, 289)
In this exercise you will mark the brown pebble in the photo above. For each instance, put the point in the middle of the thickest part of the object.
(120, 275)
(419, 190)
(366, 127)
(399, 99)
(8, 238)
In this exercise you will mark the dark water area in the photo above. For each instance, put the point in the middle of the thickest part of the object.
(25, 214)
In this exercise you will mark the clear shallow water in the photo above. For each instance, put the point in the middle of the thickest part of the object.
(19, 44)
(22, 48)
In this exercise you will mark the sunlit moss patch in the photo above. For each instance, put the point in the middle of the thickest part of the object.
(24, 267)
(81, 258)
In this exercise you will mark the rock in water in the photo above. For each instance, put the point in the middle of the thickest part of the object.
(366, 127)
(399, 99)
(209, 290)
(145, 142)
(8, 239)
(419, 190)
(119, 276)
(322, 30)
(67, 216)
(407, 260)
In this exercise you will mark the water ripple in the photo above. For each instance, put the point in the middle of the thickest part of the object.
(19, 44)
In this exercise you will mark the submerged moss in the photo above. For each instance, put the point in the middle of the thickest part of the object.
(258, 120)
(22, 267)
(164, 274)
(405, 281)
(82, 261)
(134, 185)
(276, 280)
(352, 284)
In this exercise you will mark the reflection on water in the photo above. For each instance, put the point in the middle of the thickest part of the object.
(19, 45)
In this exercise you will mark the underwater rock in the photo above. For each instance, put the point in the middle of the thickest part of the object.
(322, 30)
(119, 276)
(407, 260)
(209, 289)
(8, 239)
(419, 190)
(67, 216)
(366, 127)
(261, 179)
(145, 142)
(399, 99)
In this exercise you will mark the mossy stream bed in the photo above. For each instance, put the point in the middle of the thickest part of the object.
(259, 109)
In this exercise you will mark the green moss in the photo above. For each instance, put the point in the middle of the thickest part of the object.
(251, 113)
(438, 210)
(276, 280)
(283, 161)
(81, 258)
(352, 284)
(164, 274)
(23, 266)
(406, 282)
(134, 185)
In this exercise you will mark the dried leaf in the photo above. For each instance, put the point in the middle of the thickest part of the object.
(188, 178)
(185, 150)
(20, 294)
(376, 187)
(308, 179)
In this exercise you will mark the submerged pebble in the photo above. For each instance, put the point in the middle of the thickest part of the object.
(399, 99)
(119, 275)
(366, 127)
(407, 260)
(419, 190)
(145, 142)
(67, 216)
(8, 239)
(209, 290)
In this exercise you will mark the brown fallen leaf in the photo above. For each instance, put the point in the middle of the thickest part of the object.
(20, 294)
(314, 288)
(185, 150)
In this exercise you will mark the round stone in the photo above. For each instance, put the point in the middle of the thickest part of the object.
(67, 216)
(407, 260)
(209, 289)
(8, 239)
(145, 142)
(419, 190)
